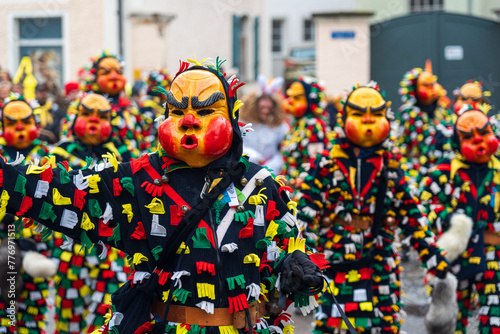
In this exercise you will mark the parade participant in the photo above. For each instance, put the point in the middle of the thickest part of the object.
(165, 210)
(263, 110)
(422, 115)
(106, 77)
(28, 314)
(306, 102)
(50, 113)
(85, 282)
(463, 202)
(20, 128)
(87, 133)
(352, 202)
(470, 93)
(152, 106)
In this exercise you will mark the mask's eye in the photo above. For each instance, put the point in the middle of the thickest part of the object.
(357, 114)
(466, 137)
(205, 112)
(485, 131)
(178, 112)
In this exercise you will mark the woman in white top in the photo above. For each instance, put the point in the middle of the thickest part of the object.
(263, 111)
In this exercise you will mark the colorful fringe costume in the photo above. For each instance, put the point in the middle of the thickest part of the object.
(32, 300)
(456, 186)
(308, 134)
(424, 131)
(337, 205)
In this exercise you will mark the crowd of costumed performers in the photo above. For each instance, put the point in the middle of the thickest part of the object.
(221, 209)
(131, 208)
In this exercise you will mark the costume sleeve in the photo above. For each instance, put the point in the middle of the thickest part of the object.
(435, 196)
(414, 225)
(82, 204)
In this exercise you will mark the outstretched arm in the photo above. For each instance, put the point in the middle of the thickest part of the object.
(81, 204)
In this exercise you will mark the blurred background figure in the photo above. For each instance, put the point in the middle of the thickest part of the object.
(5, 88)
(18, 88)
(5, 76)
(423, 114)
(71, 91)
(470, 93)
(306, 103)
(151, 105)
(49, 112)
(263, 110)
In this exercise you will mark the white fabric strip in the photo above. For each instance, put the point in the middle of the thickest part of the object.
(228, 218)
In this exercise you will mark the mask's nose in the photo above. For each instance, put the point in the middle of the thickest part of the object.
(189, 121)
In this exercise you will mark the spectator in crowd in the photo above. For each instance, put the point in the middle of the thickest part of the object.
(263, 110)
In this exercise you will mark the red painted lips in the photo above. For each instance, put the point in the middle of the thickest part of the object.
(189, 142)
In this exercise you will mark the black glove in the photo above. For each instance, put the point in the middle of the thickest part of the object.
(300, 274)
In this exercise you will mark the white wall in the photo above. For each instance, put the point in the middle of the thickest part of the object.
(82, 30)
(201, 28)
(343, 62)
(294, 12)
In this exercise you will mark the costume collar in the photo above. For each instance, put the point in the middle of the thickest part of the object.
(343, 148)
(460, 163)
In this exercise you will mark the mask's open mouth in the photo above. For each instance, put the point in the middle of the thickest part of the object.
(21, 138)
(481, 151)
(92, 129)
(369, 132)
(189, 142)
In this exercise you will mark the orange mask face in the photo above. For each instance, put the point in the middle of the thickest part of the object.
(110, 77)
(93, 123)
(470, 93)
(428, 90)
(366, 124)
(198, 129)
(19, 125)
(477, 140)
(296, 102)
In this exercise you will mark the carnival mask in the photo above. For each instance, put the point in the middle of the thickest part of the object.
(296, 101)
(198, 129)
(470, 93)
(110, 77)
(428, 90)
(19, 125)
(366, 124)
(93, 122)
(477, 140)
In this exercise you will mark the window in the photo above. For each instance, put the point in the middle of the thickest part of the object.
(41, 39)
(308, 30)
(425, 5)
(277, 36)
